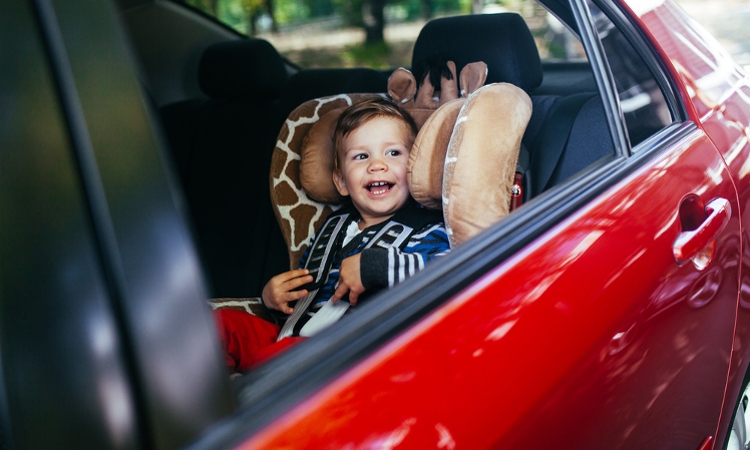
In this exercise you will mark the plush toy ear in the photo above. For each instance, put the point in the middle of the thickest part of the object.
(472, 77)
(480, 163)
(426, 103)
(402, 86)
(316, 159)
(448, 88)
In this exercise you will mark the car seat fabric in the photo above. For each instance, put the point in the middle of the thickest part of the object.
(480, 163)
(590, 138)
(223, 146)
(299, 214)
(317, 83)
(553, 140)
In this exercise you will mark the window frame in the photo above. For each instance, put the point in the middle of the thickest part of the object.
(606, 81)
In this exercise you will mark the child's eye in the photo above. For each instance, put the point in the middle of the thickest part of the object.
(393, 152)
(360, 156)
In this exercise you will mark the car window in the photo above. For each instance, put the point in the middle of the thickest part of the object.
(334, 33)
(643, 104)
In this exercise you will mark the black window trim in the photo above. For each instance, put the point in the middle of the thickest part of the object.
(605, 78)
(643, 45)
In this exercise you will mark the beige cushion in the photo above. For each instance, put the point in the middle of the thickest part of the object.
(481, 159)
(427, 157)
(316, 159)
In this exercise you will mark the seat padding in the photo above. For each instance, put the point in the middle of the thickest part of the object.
(317, 83)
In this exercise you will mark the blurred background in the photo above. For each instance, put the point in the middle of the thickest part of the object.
(728, 21)
(381, 33)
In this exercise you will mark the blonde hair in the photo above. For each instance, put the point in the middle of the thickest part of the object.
(360, 113)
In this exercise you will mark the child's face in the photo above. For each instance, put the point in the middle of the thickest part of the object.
(372, 168)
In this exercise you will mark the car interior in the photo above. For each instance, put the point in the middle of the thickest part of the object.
(222, 99)
(218, 100)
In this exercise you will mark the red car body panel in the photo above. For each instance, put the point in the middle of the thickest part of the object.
(593, 336)
(720, 97)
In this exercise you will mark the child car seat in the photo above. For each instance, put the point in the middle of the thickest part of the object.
(491, 120)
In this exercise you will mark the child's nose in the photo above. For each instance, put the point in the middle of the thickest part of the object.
(377, 165)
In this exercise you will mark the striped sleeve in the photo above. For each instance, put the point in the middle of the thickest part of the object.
(381, 267)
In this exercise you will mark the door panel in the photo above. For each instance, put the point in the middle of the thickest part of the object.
(65, 380)
(721, 97)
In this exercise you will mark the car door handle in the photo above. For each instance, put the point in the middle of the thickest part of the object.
(689, 243)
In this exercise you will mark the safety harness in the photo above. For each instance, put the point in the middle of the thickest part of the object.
(394, 232)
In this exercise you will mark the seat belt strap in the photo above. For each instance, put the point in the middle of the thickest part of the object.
(393, 234)
(318, 262)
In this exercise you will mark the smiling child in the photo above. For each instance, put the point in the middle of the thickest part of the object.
(380, 239)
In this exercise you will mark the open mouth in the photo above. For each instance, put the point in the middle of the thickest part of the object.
(379, 187)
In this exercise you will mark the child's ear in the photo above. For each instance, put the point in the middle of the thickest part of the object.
(338, 180)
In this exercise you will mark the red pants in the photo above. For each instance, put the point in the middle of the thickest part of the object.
(248, 340)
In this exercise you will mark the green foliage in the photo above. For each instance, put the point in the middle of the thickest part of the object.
(368, 55)
(350, 11)
(290, 11)
(416, 9)
(236, 13)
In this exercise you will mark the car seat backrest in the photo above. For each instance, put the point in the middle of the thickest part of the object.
(300, 215)
(574, 135)
(223, 147)
(309, 84)
(472, 154)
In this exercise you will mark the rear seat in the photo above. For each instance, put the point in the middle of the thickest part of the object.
(316, 83)
(566, 133)
(222, 148)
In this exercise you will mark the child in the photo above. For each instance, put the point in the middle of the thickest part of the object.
(383, 237)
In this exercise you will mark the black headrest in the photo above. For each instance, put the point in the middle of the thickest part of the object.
(503, 41)
(242, 68)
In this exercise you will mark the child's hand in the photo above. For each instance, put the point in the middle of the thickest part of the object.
(350, 280)
(279, 290)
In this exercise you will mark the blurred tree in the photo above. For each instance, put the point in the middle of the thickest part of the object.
(254, 9)
(373, 18)
(207, 6)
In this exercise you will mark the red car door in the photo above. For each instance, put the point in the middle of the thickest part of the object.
(720, 93)
(613, 329)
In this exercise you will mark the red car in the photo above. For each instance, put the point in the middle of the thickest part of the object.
(611, 310)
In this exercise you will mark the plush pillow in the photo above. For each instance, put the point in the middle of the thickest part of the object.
(481, 159)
